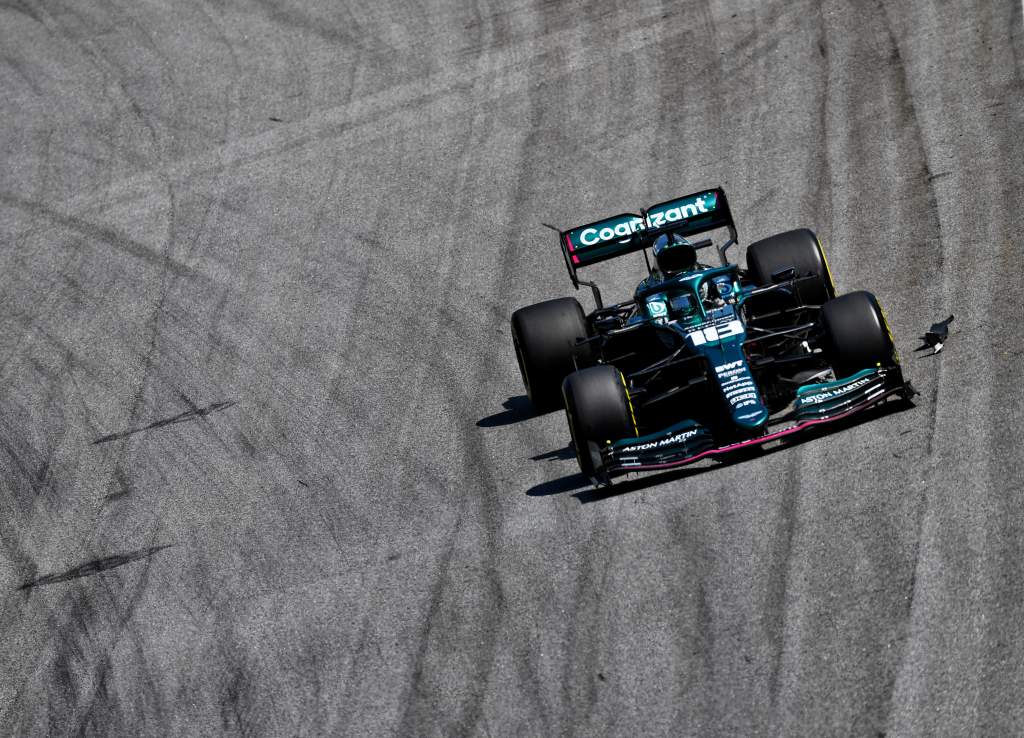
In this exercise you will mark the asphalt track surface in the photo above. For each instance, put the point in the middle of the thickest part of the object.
(266, 464)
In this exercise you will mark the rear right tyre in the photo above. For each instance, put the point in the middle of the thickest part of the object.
(546, 337)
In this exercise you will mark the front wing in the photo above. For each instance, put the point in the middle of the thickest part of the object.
(687, 441)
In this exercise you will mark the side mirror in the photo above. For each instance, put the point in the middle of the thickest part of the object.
(783, 275)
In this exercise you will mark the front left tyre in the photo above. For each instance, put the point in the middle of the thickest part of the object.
(598, 409)
(798, 250)
(856, 334)
(546, 337)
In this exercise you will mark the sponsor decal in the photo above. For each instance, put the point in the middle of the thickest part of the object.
(748, 416)
(722, 369)
(614, 228)
(657, 308)
(831, 394)
(738, 400)
(733, 376)
(683, 209)
(737, 385)
(738, 388)
(594, 235)
(671, 440)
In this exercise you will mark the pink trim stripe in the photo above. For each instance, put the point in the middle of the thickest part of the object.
(754, 441)
(568, 242)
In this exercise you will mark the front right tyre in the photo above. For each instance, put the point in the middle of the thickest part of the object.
(598, 409)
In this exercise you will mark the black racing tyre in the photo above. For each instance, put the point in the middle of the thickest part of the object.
(598, 409)
(800, 250)
(545, 337)
(856, 334)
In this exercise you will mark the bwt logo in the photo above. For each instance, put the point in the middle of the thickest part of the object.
(698, 206)
(731, 365)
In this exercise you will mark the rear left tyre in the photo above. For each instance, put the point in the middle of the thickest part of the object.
(598, 409)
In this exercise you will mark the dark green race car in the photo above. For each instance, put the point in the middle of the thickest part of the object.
(704, 360)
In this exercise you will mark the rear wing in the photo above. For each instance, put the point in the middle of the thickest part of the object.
(626, 233)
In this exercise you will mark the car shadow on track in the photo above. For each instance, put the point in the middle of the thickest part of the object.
(517, 409)
(587, 493)
(561, 454)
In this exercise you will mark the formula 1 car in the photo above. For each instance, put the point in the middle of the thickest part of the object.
(703, 360)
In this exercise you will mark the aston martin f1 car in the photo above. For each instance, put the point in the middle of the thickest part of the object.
(703, 360)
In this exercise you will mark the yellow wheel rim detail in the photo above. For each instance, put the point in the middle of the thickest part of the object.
(632, 415)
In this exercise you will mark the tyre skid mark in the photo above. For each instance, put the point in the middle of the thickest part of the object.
(896, 58)
(781, 592)
(192, 414)
(102, 694)
(103, 234)
(410, 716)
(364, 115)
(96, 566)
(468, 714)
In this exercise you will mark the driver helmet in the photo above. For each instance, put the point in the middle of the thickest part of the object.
(673, 253)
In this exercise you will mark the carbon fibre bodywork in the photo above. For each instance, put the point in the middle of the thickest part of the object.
(718, 358)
